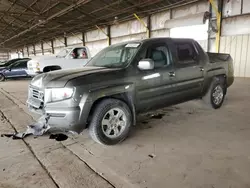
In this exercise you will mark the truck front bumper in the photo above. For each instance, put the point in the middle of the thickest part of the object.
(64, 119)
(61, 119)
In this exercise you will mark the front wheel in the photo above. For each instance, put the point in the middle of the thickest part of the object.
(216, 93)
(111, 122)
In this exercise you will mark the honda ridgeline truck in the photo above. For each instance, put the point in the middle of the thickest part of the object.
(126, 79)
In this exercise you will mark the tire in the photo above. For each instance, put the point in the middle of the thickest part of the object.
(2, 77)
(215, 95)
(102, 131)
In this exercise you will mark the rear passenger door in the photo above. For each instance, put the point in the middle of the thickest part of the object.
(188, 71)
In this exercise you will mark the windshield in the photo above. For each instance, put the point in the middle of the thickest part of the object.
(64, 52)
(117, 56)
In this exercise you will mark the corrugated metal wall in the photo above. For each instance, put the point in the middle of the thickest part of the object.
(238, 47)
(96, 40)
(158, 24)
(235, 38)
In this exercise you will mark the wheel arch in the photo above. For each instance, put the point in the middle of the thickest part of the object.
(51, 67)
(127, 97)
(220, 76)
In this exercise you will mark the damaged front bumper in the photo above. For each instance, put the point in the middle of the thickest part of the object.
(38, 129)
(63, 115)
(61, 119)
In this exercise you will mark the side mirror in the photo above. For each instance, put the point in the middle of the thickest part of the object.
(146, 64)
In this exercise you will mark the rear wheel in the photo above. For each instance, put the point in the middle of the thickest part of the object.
(2, 77)
(215, 95)
(111, 122)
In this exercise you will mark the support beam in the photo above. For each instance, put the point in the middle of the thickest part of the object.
(144, 24)
(218, 21)
(19, 15)
(28, 51)
(34, 50)
(28, 7)
(107, 34)
(171, 14)
(22, 52)
(241, 8)
(149, 26)
(61, 41)
(11, 13)
(83, 38)
(42, 47)
(52, 47)
(65, 42)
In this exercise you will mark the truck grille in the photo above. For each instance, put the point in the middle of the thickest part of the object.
(36, 94)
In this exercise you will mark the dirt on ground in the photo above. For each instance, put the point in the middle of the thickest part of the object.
(186, 145)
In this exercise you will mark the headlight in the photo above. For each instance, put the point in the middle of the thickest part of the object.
(57, 94)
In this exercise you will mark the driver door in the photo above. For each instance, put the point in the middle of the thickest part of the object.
(154, 87)
(77, 58)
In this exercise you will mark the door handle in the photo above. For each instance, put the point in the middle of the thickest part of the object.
(201, 69)
(171, 74)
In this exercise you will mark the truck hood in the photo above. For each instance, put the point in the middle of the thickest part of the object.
(58, 79)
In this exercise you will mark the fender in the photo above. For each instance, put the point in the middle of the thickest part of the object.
(124, 92)
(210, 74)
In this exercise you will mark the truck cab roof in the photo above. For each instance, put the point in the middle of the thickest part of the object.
(149, 40)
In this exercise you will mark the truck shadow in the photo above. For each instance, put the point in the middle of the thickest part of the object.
(166, 116)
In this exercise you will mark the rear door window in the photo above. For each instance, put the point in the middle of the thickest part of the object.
(186, 54)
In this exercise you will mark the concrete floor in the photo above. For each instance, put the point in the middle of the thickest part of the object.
(190, 146)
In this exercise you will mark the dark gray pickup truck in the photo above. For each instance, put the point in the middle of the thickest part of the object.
(126, 79)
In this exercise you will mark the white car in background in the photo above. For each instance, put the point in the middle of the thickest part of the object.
(67, 58)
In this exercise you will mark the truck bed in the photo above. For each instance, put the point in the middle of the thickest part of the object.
(225, 60)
